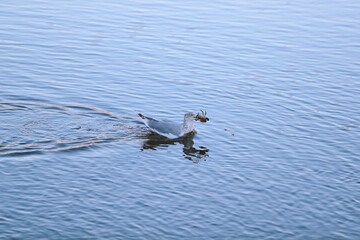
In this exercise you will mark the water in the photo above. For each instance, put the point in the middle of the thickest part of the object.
(279, 158)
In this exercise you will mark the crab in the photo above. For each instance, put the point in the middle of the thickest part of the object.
(201, 117)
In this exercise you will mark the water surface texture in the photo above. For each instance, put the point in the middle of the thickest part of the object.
(279, 158)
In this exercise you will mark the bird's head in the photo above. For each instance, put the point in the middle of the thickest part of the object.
(190, 115)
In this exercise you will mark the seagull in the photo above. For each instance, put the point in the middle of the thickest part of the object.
(172, 129)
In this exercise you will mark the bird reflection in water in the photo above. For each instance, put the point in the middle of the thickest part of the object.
(155, 141)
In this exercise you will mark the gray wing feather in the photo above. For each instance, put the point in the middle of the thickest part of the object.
(164, 126)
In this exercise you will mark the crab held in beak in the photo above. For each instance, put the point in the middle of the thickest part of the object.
(201, 117)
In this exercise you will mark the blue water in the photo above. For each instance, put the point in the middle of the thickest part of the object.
(279, 158)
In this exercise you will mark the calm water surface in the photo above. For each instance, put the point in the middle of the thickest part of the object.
(279, 158)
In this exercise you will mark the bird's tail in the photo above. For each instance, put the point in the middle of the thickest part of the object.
(144, 117)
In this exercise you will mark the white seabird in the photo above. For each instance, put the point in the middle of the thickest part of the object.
(172, 129)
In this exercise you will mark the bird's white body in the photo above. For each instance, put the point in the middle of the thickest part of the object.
(169, 128)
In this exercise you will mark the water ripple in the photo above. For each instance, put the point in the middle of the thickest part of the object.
(39, 127)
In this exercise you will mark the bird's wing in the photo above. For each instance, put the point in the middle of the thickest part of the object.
(166, 128)
(144, 117)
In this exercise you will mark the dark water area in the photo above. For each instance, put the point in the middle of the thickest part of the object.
(279, 158)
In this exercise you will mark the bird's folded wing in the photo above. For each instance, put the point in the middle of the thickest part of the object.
(167, 127)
